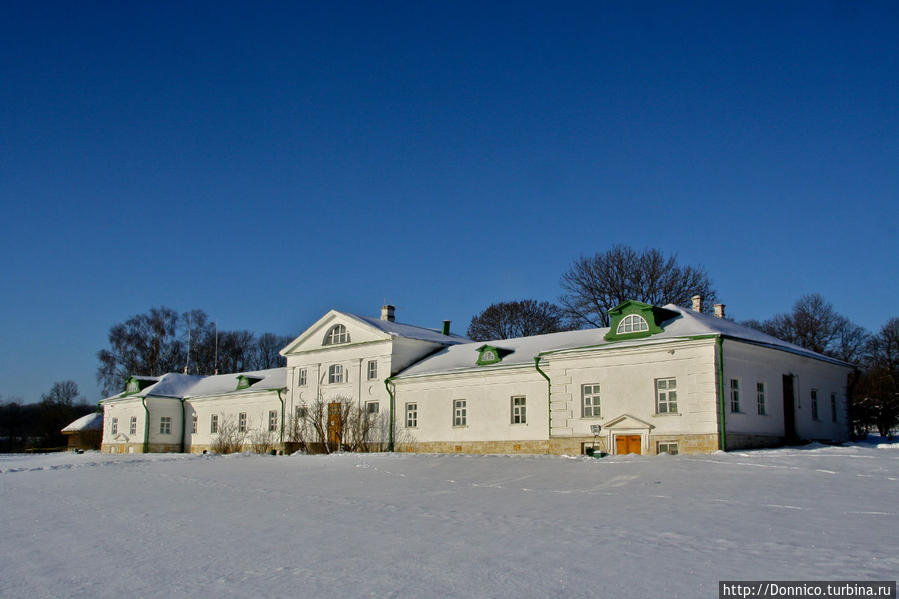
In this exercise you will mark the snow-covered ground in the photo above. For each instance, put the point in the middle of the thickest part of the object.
(381, 525)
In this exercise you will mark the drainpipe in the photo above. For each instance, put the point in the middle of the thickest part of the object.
(389, 392)
(722, 429)
(549, 417)
(281, 399)
(143, 400)
(183, 424)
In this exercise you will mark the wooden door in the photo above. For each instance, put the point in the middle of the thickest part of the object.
(789, 409)
(628, 444)
(334, 423)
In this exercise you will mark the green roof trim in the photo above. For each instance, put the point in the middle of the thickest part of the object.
(647, 320)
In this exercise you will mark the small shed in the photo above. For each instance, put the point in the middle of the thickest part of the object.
(86, 432)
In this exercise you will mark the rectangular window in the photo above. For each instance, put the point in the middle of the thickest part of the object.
(242, 422)
(335, 374)
(132, 429)
(734, 395)
(519, 410)
(411, 415)
(114, 427)
(590, 406)
(193, 423)
(833, 407)
(214, 424)
(814, 404)
(666, 396)
(669, 447)
(372, 370)
(372, 408)
(301, 377)
(301, 412)
(761, 399)
(165, 425)
(460, 413)
(272, 421)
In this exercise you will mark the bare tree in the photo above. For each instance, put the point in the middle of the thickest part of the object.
(593, 285)
(814, 324)
(523, 318)
(336, 424)
(229, 438)
(62, 394)
(875, 397)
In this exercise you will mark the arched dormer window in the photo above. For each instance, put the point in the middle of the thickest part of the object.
(633, 323)
(336, 335)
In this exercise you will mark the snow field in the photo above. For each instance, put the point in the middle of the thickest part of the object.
(382, 525)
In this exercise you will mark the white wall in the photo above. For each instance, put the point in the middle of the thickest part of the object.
(627, 378)
(488, 404)
(751, 364)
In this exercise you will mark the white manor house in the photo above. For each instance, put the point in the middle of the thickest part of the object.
(659, 379)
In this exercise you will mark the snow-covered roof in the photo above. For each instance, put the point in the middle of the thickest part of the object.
(409, 331)
(177, 385)
(522, 350)
(90, 422)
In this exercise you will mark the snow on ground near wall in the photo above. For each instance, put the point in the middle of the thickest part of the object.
(380, 525)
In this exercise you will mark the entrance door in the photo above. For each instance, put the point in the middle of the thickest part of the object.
(628, 444)
(334, 423)
(789, 409)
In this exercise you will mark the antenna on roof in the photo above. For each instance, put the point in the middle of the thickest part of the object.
(215, 362)
(187, 363)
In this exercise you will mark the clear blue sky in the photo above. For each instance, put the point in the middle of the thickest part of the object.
(266, 162)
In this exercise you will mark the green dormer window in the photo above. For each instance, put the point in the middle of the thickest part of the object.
(132, 387)
(244, 381)
(634, 320)
(137, 384)
(488, 354)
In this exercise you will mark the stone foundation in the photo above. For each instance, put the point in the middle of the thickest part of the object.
(504, 447)
(741, 441)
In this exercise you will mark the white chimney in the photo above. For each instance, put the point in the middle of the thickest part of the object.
(719, 310)
(697, 303)
(387, 313)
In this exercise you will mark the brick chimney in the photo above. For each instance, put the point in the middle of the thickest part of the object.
(697, 303)
(719, 310)
(387, 313)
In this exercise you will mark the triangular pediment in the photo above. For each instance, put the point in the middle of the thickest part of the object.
(313, 338)
(626, 421)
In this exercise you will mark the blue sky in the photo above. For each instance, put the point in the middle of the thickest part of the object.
(266, 162)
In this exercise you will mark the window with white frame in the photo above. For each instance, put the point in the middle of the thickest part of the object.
(301, 412)
(301, 377)
(814, 397)
(833, 407)
(460, 412)
(735, 395)
(214, 424)
(336, 335)
(132, 428)
(114, 426)
(590, 404)
(632, 323)
(272, 421)
(666, 396)
(761, 398)
(336, 374)
(242, 422)
(669, 447)
(372, 370)
(411, 415)
(165, 425)
(519, 410)
(372, 408)
(193, 423)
